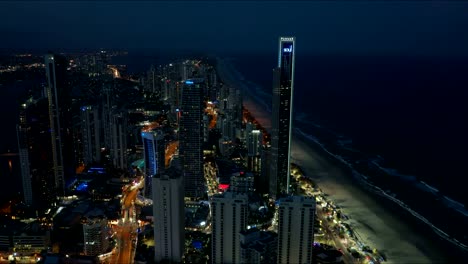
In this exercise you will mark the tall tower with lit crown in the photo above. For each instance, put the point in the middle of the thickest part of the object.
(282, 117)
(191, 138)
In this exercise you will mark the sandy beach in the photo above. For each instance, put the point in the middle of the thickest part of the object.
(376, 225)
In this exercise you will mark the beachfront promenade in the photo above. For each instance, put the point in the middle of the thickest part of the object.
(375, 226)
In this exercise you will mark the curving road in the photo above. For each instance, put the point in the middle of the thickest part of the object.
(126, 229)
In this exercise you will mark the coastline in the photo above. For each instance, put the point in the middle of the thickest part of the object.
(378, 221)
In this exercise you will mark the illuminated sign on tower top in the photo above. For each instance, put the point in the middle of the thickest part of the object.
(286, 50)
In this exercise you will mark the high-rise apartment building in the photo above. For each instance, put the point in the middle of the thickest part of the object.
(152, 82)
(115, 127)
(58, 95)
(118, 147)
(95, 232)
(154, 153)
(35, 154)
(108, 106)
(282, 117)
(296, 229)
(191, 138)
(23, 151)
(169, 215)
(264, 182)
(91, 134)
(254, 142)
(229, 217)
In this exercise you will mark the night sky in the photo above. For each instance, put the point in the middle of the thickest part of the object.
(419, 27)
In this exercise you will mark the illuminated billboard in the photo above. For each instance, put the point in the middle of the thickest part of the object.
(287, 47)
(286, 50)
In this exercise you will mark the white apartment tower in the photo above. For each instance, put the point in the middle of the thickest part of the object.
(296, 229)
(169, 215)
(229, 218)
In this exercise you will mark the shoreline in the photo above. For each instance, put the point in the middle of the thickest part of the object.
(400, 223)
(379, 221)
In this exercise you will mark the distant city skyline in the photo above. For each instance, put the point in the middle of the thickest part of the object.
(153, 131)
(419, 27)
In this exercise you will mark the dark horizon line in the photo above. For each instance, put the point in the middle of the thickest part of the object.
(159, 52)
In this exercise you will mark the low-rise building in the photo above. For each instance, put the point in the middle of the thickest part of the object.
(258, 246)
(242, 182)
(24, 239)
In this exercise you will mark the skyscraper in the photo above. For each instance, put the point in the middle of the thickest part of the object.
(254, 147)
(23, 151)
(108, 106)
(91, 134)
(169, 215)
(282, 117)
(59, 118)
(154, 151)
(151, 83)
(118, 147)
(191, 138)
(35, 154)
(254, 142)
(95, 232)
(264, 182)
(229, 217)
(296, 229)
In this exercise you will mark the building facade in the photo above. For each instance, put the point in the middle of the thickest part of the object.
(254, 142)
(169, 215)
(35, 154)
(23, 151)
(296, 229)
(118, 146)
(242, 182)
(58, 94)
(229, 217)
(95, 232)
(282, 117)
(154, 155)
(258, 247)
(191, 138)
(91, 134)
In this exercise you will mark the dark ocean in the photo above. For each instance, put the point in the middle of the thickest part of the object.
(400, 121)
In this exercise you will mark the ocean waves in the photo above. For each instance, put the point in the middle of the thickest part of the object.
(342, 150)
(364, 180)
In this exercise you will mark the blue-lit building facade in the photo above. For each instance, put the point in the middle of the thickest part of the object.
(191, 137)
(282, 111)
(154, 155)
